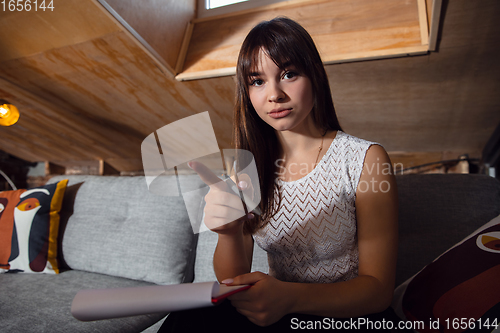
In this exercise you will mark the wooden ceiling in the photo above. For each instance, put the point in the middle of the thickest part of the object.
(88, 90)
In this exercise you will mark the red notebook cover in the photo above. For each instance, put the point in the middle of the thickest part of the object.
(226, 291)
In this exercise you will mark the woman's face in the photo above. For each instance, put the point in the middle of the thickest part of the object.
(283, 98)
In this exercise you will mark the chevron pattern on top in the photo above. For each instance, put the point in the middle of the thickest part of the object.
(312, 237)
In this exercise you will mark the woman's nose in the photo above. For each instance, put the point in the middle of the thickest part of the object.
(275, 93)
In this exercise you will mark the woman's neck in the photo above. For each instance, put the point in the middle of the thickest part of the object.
(300, 140)
(301, 153)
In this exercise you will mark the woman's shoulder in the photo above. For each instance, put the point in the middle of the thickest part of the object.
(351, 141)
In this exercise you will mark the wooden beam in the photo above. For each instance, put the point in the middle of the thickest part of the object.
(161, 23)
(434, 24)
(377, 54)
(184, 48)
(124, 165)
(422, 16)
(54, 169)
(107, 170)
(343, 58)
(206, 74)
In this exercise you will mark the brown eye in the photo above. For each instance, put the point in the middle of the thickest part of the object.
(28, 204)
(289, 75)
(256, 82)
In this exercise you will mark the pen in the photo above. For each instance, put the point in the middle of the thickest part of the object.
(245, 198)
(234, 188)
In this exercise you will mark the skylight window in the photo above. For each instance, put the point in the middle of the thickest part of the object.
(208, 8)
(211, 4)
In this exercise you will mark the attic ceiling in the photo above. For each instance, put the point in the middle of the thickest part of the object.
(88, 90)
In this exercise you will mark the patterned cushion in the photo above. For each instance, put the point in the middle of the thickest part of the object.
(29, 227)
(461, 284)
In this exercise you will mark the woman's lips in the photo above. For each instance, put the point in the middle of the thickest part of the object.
(279, 113)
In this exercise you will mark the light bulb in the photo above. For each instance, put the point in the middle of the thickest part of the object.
(9, 114)
(4, 111)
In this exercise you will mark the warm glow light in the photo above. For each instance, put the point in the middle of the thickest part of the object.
(9, 114)
(4, 111)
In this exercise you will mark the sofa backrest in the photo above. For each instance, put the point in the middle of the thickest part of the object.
(119, 228)
(436, 211)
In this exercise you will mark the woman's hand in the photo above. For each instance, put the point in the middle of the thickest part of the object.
(266, 302)
(224, 212)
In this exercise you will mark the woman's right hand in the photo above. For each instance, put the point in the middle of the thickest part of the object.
(224, 212)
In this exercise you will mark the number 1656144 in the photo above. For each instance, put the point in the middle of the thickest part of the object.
(27, 5)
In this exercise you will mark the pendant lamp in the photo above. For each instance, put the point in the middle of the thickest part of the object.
(9, 114)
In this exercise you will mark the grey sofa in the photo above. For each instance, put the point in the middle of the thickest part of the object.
(114, 233)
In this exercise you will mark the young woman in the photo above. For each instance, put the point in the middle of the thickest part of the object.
(328, 200)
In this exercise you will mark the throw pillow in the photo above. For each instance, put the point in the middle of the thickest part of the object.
(29, 227)
(119, 228)
(459, 290)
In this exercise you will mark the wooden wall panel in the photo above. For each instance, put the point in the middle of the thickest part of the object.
(90, 93)
(440, 101)
(217, 97)
(161, 23)
(114, 96)
(107, 78)
(72, 21)
(52, 128)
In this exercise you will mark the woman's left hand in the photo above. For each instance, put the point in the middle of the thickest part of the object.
(266, 301)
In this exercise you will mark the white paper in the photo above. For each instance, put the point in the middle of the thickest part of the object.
(97, 304)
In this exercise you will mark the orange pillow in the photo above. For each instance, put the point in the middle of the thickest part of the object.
(29, 227)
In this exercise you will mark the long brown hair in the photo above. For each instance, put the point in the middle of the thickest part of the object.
(285, 42)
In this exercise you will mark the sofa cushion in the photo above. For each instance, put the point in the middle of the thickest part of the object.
(118, 228)
(437, 211)
(29, 227)
(461, 283)
(42, 303)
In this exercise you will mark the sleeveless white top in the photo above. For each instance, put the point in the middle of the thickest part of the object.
(312, 237)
